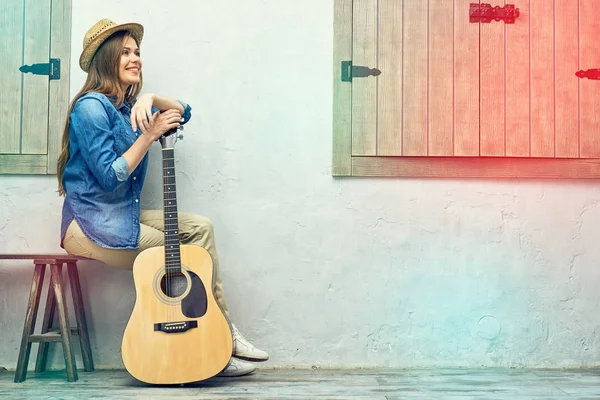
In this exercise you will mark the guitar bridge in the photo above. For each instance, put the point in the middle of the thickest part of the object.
(175, 327)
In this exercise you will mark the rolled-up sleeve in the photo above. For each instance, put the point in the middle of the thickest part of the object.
(121, 169)
(90, 127)
(187, 112)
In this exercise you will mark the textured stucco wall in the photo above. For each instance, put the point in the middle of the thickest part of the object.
(322, 271)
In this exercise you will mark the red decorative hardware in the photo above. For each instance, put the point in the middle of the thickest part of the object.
(485, 13)
(592, 73)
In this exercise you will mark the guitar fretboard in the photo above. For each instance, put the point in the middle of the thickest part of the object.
(172, 259)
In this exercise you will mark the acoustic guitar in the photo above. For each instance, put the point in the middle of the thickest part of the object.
(177, 333)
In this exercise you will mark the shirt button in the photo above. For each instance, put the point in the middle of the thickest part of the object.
(136, 200)
(134, 178)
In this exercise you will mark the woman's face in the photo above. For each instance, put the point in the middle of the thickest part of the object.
(131, 63)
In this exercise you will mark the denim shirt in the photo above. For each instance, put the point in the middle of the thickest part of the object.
(101, 194)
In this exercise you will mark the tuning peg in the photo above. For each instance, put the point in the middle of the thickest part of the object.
(180, 137)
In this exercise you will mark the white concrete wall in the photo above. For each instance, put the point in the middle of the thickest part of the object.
(323, 271)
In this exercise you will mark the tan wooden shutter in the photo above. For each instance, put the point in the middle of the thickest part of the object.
(463, 98)
(425, 103)
(589, 90)
(32, 107)
(529, 91)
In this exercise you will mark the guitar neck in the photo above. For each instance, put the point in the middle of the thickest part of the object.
(171, 222)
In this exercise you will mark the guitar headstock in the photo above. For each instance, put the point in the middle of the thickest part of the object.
(169, 138)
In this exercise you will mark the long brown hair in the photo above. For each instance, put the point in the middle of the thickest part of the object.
(103, 77)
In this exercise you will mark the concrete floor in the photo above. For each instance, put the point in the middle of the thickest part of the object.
(488, 384)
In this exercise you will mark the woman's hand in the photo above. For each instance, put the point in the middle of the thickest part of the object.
(141, 113)
(161, 123)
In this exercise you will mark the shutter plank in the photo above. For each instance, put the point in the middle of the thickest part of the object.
(342, 92)
(518, 84)
(414, 100)
(477, 167)
(542, 79)
(11, 57)
(589, 55)
(364, 90)
(35, 87)
(441, 85)
(492, 49)
(466, 81)
(27, 164)
(389, 132)
(567, 84)
(59, 89)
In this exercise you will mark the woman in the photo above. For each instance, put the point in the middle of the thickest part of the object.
(103, 163)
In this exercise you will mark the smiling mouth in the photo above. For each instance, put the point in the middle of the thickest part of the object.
(134, 70)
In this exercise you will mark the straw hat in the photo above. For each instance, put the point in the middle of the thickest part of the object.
(98, 33)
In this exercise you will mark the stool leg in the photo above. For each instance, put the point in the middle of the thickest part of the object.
(84, 339)
(42, 355)
(63, 317)
(30, 317)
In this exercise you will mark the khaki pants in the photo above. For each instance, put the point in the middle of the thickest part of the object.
(193, 229)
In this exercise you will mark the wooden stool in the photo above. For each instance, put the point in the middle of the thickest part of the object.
(55, 301)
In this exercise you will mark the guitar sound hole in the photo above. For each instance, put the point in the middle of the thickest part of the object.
(173, 284)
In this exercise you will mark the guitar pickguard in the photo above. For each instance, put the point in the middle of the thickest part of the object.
(195, 304)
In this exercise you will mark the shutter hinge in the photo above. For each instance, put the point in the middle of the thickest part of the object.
(350, 71)
(52, 69)
(592, 73)
(485, 13)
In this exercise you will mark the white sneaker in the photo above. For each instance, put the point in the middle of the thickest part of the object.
(237, 368)
(244, 349)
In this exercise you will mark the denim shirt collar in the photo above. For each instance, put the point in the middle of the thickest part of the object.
(125, 104)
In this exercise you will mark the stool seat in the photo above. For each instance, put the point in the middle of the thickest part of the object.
(54, 302)
(56, 256)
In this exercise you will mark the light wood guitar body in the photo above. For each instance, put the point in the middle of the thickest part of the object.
(169, 358)
(177, 333)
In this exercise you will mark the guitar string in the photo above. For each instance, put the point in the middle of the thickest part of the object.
(165, 234)
(165, 221)
(172, 289)
(174, 256)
